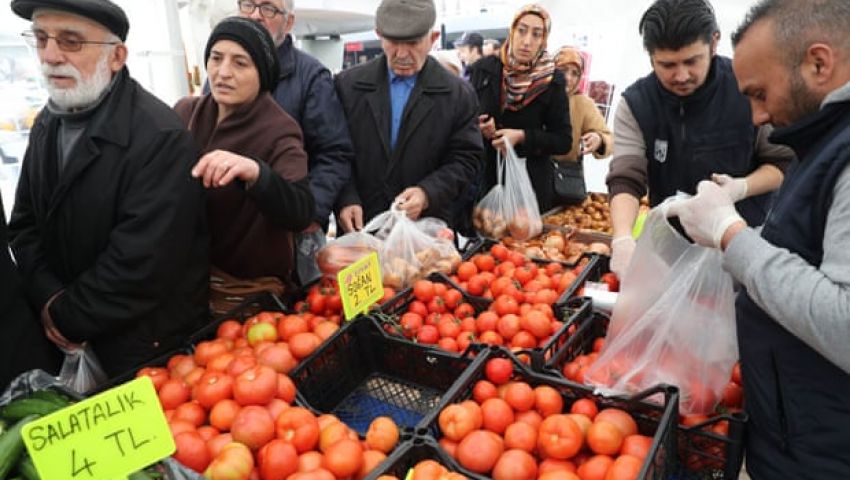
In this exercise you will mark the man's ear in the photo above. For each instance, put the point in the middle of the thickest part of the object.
(118, 58)
(290, 22)
(820, 62)
(715, 39)
(435, 34)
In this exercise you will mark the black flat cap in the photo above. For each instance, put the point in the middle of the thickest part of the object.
(103, 12)
(405, 20)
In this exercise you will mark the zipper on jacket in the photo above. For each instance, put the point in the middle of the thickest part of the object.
(780, 407)
(682, 120)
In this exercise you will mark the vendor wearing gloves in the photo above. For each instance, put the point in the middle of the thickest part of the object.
(792, 58)
(686, 122)
(252, 160)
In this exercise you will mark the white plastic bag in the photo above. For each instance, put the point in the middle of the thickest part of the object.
(674, 321)
(81, 370)
(510, 207)
(409, 253)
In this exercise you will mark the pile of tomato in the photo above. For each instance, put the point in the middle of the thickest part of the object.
(230, 406)
(509, 430)
(428, 470)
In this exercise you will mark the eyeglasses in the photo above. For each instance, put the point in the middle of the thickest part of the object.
(66, 41)
(266, 10)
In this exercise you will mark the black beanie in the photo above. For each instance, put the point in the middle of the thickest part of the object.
(255, 39)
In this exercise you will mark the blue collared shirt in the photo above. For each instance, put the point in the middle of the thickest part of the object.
(400, 88)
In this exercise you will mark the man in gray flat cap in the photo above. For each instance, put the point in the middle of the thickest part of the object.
(108, 227)
(413, 124)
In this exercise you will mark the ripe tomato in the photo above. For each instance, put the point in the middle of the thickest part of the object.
(253, 427)
(521, 435)
(277, 460)
(285, 388)
(466, 270)
(625, 467)
(299, 427)
(595, 468)
(736, 373)
(505, 304)
(316, 302)
(515, 465)
(497, 415)
(158, 375)
(371, 460)
(223, 413)
(234, 462)
(303, 344)
(423, 290)
(520, 396)
(344, 458)
(255, 386)
(452, 298)
(733, 395)
(212, 388)
(612, 281)
(428, 334)
(498, 370)
(291, 325)
(277, 357)
(604, 438)
(483, 390)
(456, 422)
(382, 434)
(206, 351)
(192, 451)
(620, 418)
(230, 329)
(585, 406)
(636, 446)
(479, 451)
(547, 400)
(172, 393)
(217, 443)
(559, 437)
(191, 412)
(484, 262)
(499, 252)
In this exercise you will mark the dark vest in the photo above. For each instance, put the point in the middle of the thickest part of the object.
(798, 401)
(689, 138)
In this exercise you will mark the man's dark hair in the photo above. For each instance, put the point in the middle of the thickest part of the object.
(673, 24)
(799, 23)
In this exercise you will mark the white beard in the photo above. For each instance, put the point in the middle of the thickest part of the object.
(86, 91)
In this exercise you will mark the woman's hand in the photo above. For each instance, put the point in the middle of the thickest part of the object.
(512, 135)
(487, 125)
(591, 142)
(219, 167)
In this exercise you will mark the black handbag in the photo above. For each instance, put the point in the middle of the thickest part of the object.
(568, 182)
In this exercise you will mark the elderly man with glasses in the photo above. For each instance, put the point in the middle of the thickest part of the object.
(306, 92)
(108, 227)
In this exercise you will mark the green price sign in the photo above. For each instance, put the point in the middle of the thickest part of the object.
(360, 285)
(107, 436)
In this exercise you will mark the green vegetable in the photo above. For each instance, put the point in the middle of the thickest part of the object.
(12, 445)
(51, 396)
(23, 407)
(27, 469)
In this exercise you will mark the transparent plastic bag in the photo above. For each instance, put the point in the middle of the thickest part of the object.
(674, 321)
(409, 253)
(345, 250)
(81, 370)
(510, 207)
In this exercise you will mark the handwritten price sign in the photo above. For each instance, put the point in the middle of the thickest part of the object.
(106, 436)
(360, 285)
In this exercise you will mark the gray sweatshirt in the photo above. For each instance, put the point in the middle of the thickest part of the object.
(811, 302)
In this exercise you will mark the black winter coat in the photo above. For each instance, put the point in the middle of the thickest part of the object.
(546, 122)
(121, 232)
(23, 345)
(438, 146)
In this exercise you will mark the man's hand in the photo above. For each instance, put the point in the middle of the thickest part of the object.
(706, 216)
(512, 135)
(622, 249)
(591, 142)
(413, 201)
(351, 218)
(219, 167)
(50, 329)
(736, 188)
(487, 125)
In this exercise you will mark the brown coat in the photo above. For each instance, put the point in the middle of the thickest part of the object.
(252, 228)
(585, 118)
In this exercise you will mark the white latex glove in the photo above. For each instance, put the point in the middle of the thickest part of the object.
(707, 215)
(736, 188)
(622, 249)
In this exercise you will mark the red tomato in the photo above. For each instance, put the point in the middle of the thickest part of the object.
(277, 460)
(192, 451)
(255, 386)
(234, 462)
(612, 281)
(157, 374)
(253, 427)
(499, 370)
(230, 329)
(423, 290)
(298, 426)
(172, 393)
(559, 437)
(212, 388)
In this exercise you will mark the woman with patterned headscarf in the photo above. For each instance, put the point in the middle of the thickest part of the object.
(590, 133)
(523, 99)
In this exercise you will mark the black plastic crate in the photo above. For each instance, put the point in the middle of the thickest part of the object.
(592, 271)
(160, 361)
(361, 373)
(702, 453)
(575, 314)
(590, 325)
(406, 456)
(655, 410)
(262, 302)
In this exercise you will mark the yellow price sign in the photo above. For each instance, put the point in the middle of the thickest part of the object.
(360, 285)
(107, 436)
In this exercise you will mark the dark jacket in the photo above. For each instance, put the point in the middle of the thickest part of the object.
(546, 122)
(23, 345)
(689, 138)
(796, 398)
(252, 229)
(121, 233)
(438, 146)
(306, 92)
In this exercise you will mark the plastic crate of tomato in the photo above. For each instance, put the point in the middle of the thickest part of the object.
(362, 373)
(708, 447)
(511, 399)
(413, 454)
(261, 302)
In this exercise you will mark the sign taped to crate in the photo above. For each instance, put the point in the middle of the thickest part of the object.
(109, 435)
(360, 285)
